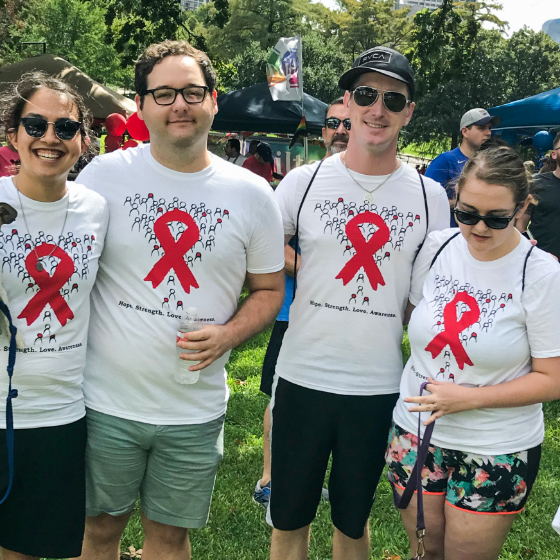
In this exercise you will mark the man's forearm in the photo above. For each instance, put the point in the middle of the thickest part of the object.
(257, 312)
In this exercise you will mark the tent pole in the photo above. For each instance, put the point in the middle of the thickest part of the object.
(300, 59)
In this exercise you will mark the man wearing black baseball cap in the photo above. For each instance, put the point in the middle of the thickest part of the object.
(262, 162)
(476, 126)
(361, 218)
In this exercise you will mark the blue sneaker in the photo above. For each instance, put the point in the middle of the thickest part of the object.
(262, 493)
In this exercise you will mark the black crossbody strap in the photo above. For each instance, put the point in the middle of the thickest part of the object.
(443, 247)
(525, 267)
(296, 236)
(427, 213)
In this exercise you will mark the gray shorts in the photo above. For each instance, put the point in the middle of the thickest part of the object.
(173, 468)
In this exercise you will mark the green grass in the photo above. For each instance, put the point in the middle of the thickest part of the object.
(237, 528)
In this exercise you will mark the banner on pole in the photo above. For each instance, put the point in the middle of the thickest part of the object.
(283, 70)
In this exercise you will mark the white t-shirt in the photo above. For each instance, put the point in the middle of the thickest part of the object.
(345, 328)
(50, 308)
(237, 160)
(175, 240)
(491, 342)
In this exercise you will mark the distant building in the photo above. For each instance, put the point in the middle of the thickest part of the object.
(192, 5)
(417, 5)
(552, 28)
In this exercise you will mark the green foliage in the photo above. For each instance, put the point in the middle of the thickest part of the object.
(364, 24)
(75, 31)
(13, 14)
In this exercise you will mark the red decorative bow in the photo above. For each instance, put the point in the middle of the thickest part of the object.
(365, 250)
(453, 328)
(175, 251)
(49, 286)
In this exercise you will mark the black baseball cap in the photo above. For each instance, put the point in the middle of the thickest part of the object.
(383, 60)
(265, 151)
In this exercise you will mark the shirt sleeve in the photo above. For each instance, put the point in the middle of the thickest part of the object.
(440, 212)
(265, 253)
(542, 305)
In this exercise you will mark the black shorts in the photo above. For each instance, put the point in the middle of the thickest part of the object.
(44, 514)
(307, 427)
(271, 357)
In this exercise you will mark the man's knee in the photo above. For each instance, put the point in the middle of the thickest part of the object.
(105, 528)
(167, 535)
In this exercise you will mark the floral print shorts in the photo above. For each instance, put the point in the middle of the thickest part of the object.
(478, 483)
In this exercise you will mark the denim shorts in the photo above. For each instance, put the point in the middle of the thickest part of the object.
(171, 468)
(486, 484)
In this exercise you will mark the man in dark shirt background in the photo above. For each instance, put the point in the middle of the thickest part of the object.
(544, 217)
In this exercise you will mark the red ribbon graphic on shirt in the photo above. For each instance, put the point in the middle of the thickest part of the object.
(49, 286)
(175, 251)
(453, 328)
(365, 250)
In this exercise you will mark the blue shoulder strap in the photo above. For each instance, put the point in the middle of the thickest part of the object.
(12, 394)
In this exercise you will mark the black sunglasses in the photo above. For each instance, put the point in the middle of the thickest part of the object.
(333, 123)
(36, 127)
(364, 96)
(167, 95)
(493, 222)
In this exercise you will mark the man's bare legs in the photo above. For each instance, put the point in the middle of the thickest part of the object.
(161, 542)
(290, 545)
(294, 545)
(102, 537)
(266, 447)
(345, 548)
(11, 555)
(165, 542)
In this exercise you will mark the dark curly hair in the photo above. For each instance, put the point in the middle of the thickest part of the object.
(13, 101)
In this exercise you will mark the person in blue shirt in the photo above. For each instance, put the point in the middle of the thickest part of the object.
(476, 126)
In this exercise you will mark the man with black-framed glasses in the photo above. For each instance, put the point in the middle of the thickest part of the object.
(186, 229)
(361, 217)
(543, 218)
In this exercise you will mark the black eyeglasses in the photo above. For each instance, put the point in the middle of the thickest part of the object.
(333, 123)
(364, 96)
(36, 127)
(167, 95)
(493, 222)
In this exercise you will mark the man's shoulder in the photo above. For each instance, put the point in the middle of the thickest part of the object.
(547, 178)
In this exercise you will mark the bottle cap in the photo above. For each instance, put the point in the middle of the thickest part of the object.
(192, 311)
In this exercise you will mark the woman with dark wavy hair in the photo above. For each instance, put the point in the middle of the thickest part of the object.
(485, 336)
(49, 256)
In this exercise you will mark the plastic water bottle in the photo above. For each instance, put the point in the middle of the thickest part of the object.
(189, 324)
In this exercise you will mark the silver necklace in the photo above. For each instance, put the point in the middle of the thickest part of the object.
(369, 198)
(39, 265)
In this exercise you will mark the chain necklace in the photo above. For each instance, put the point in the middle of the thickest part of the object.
(369, 198)
(39, 265)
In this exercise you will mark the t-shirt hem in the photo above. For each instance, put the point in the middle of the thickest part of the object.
(337, 390)
(20, 424)
(547, 354)
(155, 420)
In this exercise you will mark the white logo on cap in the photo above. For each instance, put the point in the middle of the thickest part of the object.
(378, 56)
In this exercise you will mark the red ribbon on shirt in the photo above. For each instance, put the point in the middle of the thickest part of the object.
(49, 286)
(453, 328)
(175, 251)
(365, 250)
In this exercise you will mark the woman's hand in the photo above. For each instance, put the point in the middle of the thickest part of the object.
(444, 398)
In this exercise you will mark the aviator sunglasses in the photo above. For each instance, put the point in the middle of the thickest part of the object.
(493, 222)
(333, 123)
(36, 127)
(364, 96)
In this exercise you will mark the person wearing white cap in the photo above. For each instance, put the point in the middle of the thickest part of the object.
(476, 126)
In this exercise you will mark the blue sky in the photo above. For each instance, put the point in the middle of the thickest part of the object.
(532, 13)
